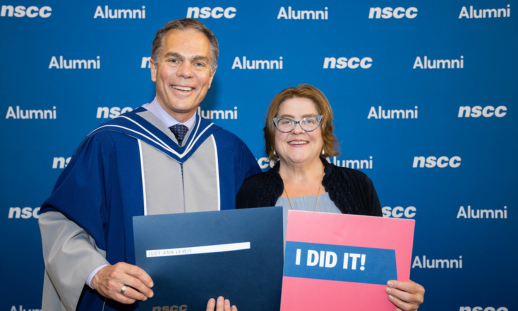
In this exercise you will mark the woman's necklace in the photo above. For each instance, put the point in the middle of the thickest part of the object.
(318, 193)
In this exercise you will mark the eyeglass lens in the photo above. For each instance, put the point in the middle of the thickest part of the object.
(307, 124)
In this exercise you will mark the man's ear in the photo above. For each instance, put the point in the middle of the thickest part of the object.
(153, 67)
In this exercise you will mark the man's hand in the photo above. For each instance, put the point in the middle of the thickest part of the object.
(110, 280)
(222, 305)
(407, 296)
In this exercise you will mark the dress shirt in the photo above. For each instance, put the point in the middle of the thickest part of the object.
(169, 121)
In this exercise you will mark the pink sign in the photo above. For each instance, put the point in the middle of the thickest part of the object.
(343, 262)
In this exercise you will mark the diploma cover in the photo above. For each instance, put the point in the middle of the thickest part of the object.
(343, 262)
(192, 257)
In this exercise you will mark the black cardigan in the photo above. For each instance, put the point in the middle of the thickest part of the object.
(351, 190)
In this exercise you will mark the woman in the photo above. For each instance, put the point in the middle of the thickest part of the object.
(299, 136)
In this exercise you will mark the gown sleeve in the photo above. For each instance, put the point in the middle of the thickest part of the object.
(70, 255)
(71, 223)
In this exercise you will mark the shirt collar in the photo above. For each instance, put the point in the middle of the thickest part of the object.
(169, 121)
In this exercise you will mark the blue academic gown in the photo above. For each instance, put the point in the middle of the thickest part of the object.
(101, 188)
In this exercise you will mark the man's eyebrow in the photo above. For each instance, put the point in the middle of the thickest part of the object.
(178, 55)
(173, 54)
(200, 57)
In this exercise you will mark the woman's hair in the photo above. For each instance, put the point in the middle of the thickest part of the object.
(330, 145)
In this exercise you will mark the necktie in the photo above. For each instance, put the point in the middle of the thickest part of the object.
(179, 131)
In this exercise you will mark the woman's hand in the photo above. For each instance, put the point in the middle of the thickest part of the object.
(406, 296)
(221, 305)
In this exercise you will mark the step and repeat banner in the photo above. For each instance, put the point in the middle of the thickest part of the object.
(425, 95)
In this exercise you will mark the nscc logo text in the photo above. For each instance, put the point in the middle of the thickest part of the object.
(206, 12)
(399, 212)
(441, 162)
(21, 11)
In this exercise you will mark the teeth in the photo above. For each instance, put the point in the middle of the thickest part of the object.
(182, 88)
(298, 142)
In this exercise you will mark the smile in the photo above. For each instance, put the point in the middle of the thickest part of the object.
(182, 88)
(298, 142)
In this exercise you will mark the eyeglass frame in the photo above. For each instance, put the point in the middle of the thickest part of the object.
(318, 116)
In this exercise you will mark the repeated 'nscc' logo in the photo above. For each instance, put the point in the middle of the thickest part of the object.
(206, 12)
(477, 111)
(343, 62)
(265, 162)
(24, 213)
(399, 212)
(60, 162)
(389, 12)
(113, 112)
(21, 11)
(440, 162)
(482, 309)
(171, 308)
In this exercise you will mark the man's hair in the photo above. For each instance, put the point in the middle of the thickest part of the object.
(185, 24)
(330, 144)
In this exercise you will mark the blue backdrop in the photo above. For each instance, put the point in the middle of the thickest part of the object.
(424, 95)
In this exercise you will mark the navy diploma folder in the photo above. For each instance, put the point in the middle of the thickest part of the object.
(192, 257)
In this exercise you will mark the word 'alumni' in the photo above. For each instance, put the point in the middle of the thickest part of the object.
(256, 64)
(392, 114)
(75, 63)
(426, 63)
(485, 13)
(120, 13)
(437, 263)
(302, 14)
(30, 113)
(482, 213)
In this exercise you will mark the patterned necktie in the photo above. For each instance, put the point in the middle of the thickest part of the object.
(179, 131)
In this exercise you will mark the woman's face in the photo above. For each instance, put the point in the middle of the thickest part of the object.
(298, 146)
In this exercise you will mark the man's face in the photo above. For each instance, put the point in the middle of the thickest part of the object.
(182, 74)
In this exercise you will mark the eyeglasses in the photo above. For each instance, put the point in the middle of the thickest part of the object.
(287, 125)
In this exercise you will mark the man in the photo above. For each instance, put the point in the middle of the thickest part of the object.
(160, 158)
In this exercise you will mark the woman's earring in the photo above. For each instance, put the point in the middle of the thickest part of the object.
(323, 152)
(274, 153)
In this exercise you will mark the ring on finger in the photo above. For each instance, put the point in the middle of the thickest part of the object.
(123, 289)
